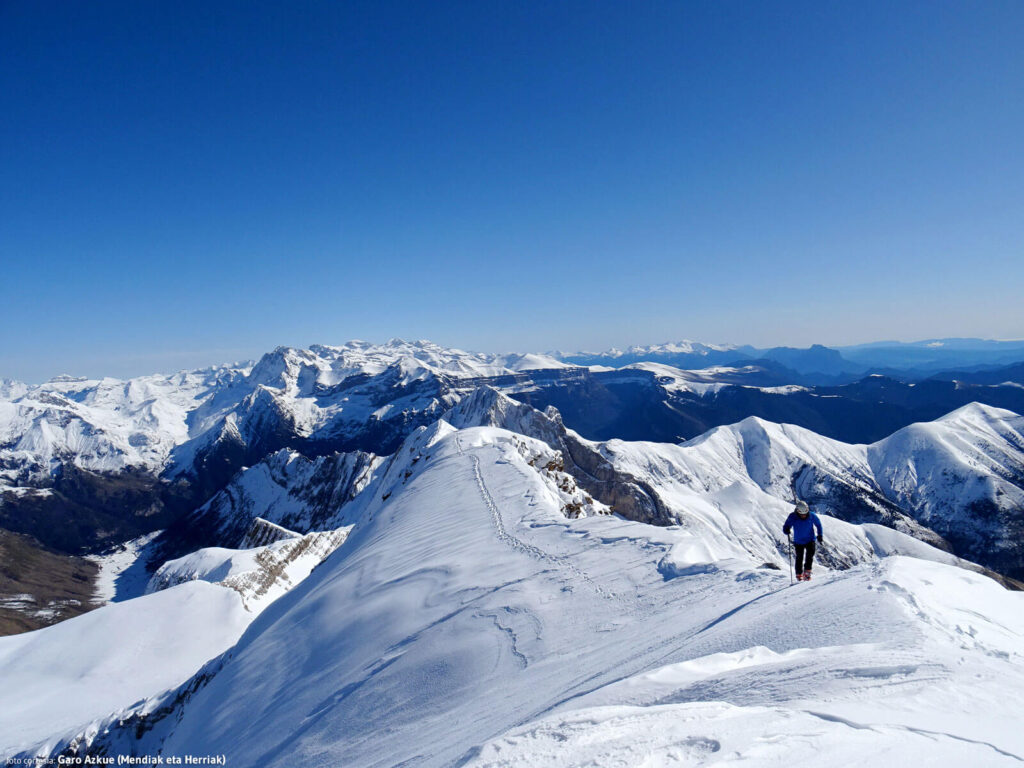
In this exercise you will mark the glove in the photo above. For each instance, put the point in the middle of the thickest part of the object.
(820, 540)
(786, 531)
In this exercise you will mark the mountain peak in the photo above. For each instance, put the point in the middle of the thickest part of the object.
(976, 412)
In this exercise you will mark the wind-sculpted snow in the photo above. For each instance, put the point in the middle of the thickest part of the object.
(298, 436)
(500, 599)
(126, 457)
(758, 468)
(468, 620)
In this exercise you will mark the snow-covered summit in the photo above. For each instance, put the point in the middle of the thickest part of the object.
(329, 365)
(11, 389)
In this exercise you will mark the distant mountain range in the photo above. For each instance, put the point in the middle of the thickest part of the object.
(404, 554)
(492, 552)
(89, 464)
(825, 364)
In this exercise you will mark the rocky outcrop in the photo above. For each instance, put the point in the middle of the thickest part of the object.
(623, 493)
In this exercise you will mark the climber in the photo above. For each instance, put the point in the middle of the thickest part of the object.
(803, 524)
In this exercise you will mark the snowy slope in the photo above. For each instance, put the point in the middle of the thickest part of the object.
(760, 466)
(122, 458)
(958, 479)
(467, 618)
(124, 570)
(962, 475)
(11, 389)
(781, 460)
(931, 688)
(753, 464)
(64, 676)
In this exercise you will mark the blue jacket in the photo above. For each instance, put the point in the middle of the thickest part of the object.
(803, 528)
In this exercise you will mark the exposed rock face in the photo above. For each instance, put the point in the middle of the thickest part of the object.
(259, 573)
(85, 464)
(263, 533)
(122, 458)
(286, 489)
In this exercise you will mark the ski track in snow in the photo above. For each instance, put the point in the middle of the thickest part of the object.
(521, 546)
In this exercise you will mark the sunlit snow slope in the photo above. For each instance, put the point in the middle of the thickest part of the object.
(467, 620)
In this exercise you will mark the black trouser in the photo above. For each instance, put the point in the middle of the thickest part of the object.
(804, 557)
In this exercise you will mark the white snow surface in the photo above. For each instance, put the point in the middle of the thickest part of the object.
(962, 457)
(61, 677)
(701, 382)
(930, 689)
(468, 621)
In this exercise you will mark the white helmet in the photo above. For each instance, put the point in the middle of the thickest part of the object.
(802, 508)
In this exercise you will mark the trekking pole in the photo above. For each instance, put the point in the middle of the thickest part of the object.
(790, 537)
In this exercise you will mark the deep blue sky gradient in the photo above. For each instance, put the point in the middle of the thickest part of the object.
(193, 182)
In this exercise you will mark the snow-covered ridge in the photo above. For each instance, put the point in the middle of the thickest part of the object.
(468, 620)
(960, 478)
(485, 609)
(332, 401)
(755, 465)
(259, 574)
(328, 365)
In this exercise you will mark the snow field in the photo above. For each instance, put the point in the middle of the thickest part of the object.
(61, 677)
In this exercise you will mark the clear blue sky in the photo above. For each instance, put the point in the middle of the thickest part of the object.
(189, 182)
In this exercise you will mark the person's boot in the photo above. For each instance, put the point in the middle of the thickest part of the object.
(807, 575)
(799, 577)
